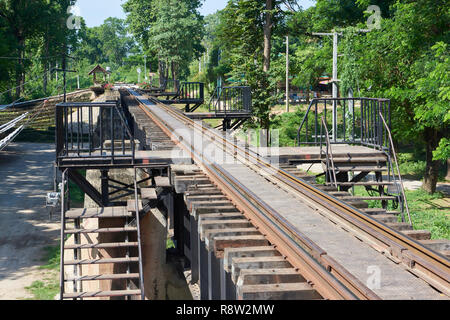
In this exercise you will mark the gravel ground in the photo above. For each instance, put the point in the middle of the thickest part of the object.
(25, 228)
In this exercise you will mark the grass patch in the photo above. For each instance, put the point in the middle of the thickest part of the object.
(428, 212)
(44, 290)
(47, 288)
(76, 194)
(52, 257)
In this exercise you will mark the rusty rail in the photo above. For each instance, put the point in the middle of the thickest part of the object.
(422, 261)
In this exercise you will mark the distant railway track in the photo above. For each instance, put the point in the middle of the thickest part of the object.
(327, 276)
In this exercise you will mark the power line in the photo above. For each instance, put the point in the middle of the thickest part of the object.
(23, 84)
(36, 58)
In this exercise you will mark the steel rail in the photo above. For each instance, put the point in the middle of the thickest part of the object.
(420, 260)
(263, 216)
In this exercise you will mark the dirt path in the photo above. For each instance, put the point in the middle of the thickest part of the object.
(25, 230)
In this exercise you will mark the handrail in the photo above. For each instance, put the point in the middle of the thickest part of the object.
(235, 99)
(359, 122)
(324, 125)
(11, 124)
(62, 233)
(72, 131)
(304, 120)
(398, 168)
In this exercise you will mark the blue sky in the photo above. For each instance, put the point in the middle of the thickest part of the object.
(95, 12)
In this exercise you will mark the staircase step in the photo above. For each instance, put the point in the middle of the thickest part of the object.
(445, 253)
(102, 245)
(148, 194)
(131, 205)
(103, 230)
(367, 184)
(101, 261)
(104, 277)
(340, 194)
(345, 198)
(98, 294)
(358, 204)
(400, 226)
(350, 168)
(437, 245)
(326, 188)
(163, 182)
(359, 159)
(386, 218)
(108, 212)
(374, 211)
(418, 234)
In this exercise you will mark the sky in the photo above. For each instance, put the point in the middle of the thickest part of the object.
(95, 12)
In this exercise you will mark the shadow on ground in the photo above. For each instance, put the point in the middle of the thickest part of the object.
(26, 173)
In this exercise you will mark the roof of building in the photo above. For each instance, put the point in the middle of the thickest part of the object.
(98, 69)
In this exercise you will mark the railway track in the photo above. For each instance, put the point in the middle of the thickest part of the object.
(330, 278)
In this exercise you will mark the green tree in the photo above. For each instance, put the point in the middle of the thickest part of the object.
(407, 62)
(176, 33)
(245, 34)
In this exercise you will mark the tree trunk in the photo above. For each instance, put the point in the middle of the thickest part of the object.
(268, 35)
(172, 64)
(45, 79)
(448, 170)
(20, 67)
(432, 138)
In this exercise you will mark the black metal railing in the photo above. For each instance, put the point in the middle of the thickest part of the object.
(170, 85)
(191, 91)
(327, 155)
(231, 100)
(399, 188)
(353, 121)
(93, 130)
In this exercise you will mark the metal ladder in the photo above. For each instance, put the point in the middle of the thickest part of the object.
(134, 281)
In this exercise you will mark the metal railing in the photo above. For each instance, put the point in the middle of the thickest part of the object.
(356, 121)
(191, 91)
(328, 153)
(93, 130)
(170, 85)
(231, 100)
(398, 178)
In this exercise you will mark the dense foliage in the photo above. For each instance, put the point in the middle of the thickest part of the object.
(406, 59)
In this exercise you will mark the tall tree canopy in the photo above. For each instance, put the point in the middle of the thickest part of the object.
(169, 29)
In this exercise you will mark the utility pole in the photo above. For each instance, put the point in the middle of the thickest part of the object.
(64, 76)
(287, 73)
(145, 67)
(64, 70)
(335, 79)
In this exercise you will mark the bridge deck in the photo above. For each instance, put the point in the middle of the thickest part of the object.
(153, 157)
(356, 256)
(312, 154)
(218, 115)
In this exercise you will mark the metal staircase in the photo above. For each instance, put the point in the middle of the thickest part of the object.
(127, 279)
(124, 255)
(357, 121)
